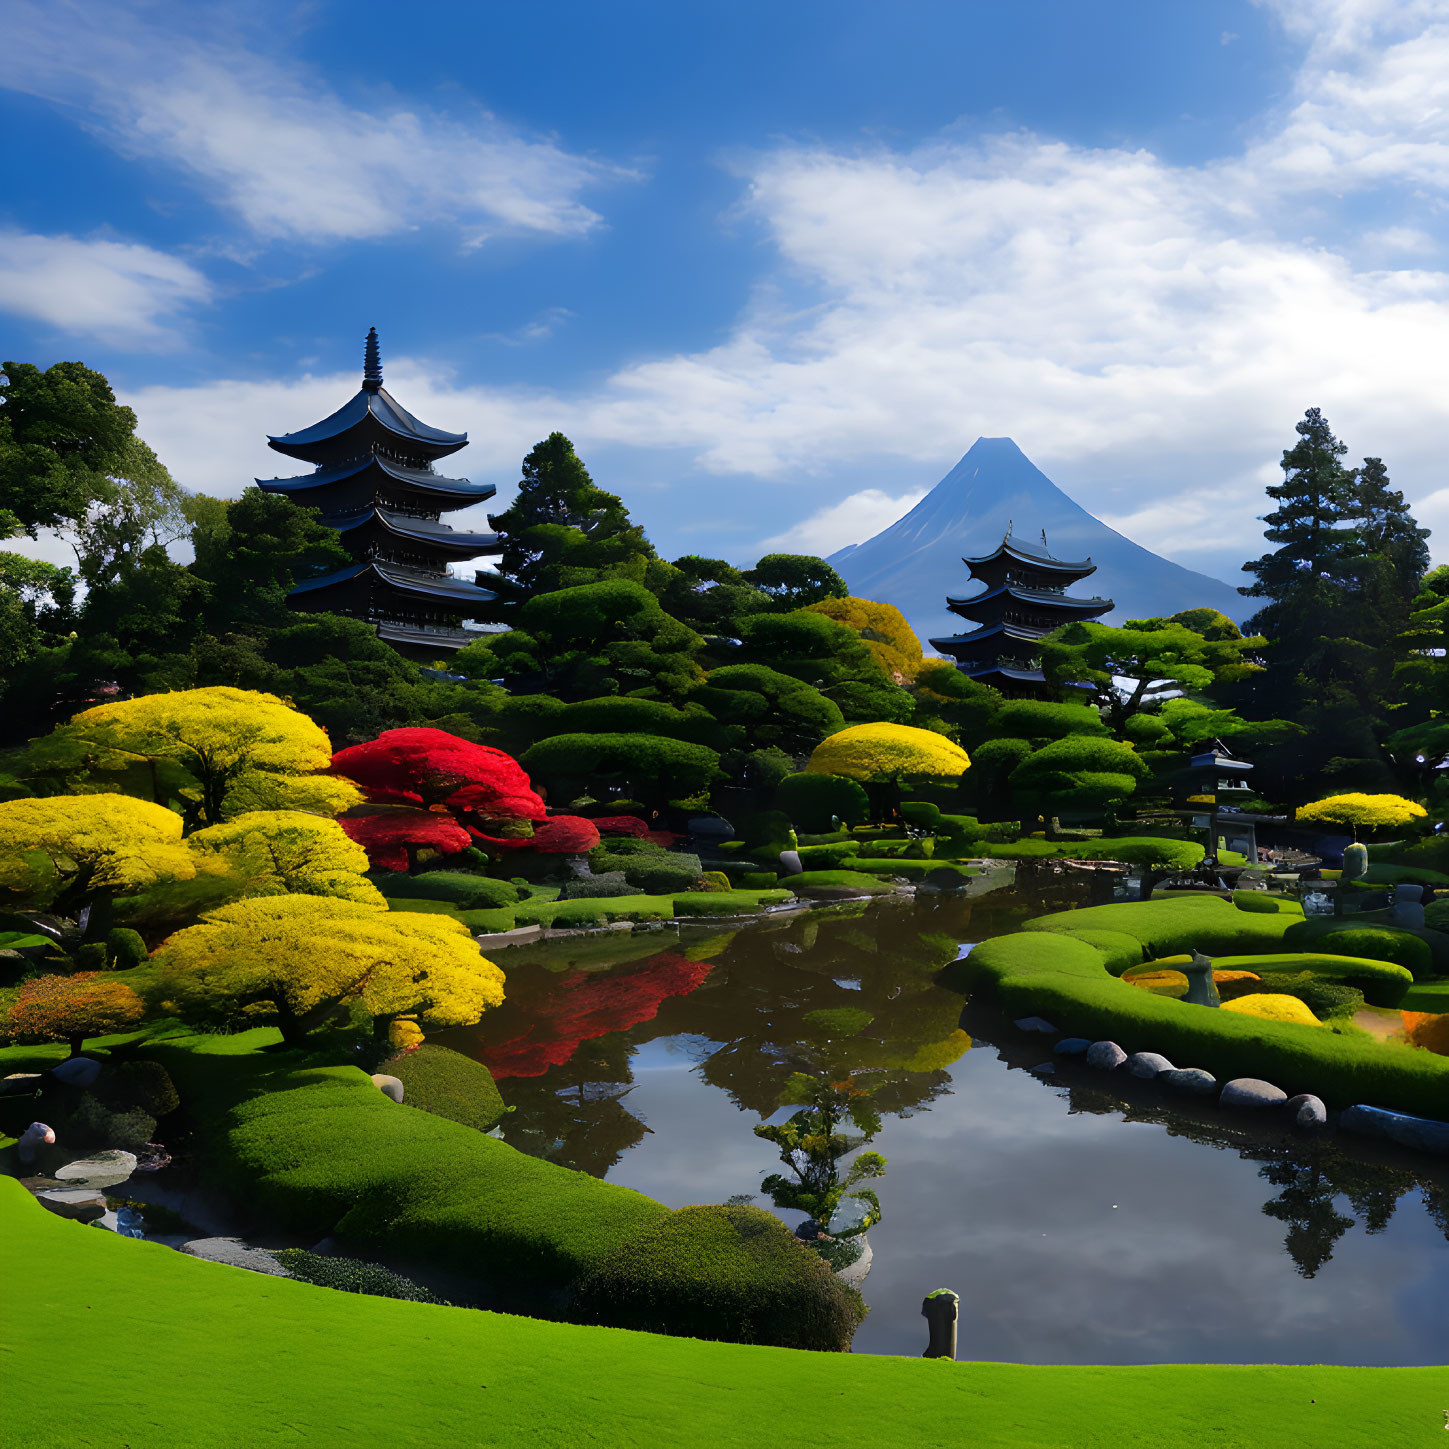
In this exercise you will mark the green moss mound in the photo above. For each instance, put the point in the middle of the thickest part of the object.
(1148, 850)
(835, 883)
(446, 1083)
(839, 1021)
(456, 887)
(1047, 970)
(351, 1275)
(728, 903)
(319, 1150)
(1175, 924)
(1264, 904)
(1309, 935)
(732, 1273)
(1382, 983)
(1120, 952)
(1379, 943)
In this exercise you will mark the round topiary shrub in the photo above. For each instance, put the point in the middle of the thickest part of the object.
(722, 1272)
(139, 1086)
(1380, 943)
(439, 1080)
(458, 888)
(124, 949)
(811, 800)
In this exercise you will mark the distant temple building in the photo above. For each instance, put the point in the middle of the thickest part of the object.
(374, 483)
(1025, 598)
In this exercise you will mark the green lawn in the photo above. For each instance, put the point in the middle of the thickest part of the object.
(109, 1343)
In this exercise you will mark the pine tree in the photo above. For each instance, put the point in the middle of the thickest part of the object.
(1328, 668)
(562, 529)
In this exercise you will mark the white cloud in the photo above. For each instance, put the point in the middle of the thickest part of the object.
(275, 145)
(114, 290)
(851, 520)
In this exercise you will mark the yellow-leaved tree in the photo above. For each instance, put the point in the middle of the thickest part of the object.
(286, 852)
(883, 757)
(303, 957)
(882, 628)
(62, 852)
(215, 753)
(889, 753)
(1369, 813)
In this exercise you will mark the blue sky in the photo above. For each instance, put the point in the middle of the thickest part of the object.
(773, 267)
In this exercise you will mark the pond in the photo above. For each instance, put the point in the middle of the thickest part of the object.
(1081, 1219)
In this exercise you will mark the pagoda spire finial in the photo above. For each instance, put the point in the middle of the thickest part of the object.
(371, 363)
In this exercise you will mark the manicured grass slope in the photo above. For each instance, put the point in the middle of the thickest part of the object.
(110, 1342)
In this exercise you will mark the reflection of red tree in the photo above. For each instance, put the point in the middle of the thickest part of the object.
(620, 825)
(584, 1006)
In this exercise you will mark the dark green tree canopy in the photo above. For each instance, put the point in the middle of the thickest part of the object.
(563, 529)
(794, 580)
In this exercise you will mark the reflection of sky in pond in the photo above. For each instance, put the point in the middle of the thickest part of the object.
(1072, 1233)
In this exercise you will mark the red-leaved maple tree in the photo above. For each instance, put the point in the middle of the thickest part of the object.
(392, 835)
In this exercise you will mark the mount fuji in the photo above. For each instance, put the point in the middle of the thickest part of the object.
(916, 562)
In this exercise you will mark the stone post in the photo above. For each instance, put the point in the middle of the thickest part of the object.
(1201, 988)
(939, 1311)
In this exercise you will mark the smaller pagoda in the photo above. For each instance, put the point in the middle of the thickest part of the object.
(373, 481)
(1025, 599)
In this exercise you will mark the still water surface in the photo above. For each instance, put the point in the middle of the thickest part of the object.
(1080, 1221)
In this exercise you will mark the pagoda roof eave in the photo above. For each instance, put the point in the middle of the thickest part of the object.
(385, 410)
(419, 478)
(1088, 607)
(442, 589)
(439, 536)
(1006, 548)
(1020, 633)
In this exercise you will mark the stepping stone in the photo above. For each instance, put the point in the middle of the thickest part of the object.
(1193, 1080)
(82, 1204)
(1072, 1046)
(18, 1082)
(1252, 1092)
(1106, 1056)
(1308, 1110)
(235, 1254)
(100, 1169)
(1034, 1023)
(1147, 1065)
(1045, 1069)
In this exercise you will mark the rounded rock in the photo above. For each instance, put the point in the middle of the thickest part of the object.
(1308, 1110)
(1033, 1023)
(1072, 1046)
(1106, 1056)
(1252, 1092)
(1148, 1065)
(390, 1087)
(100, 1169)
(1194, 1080)
(77, 1071)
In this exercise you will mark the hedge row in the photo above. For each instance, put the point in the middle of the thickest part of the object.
(1049, 972)
(320, 1151)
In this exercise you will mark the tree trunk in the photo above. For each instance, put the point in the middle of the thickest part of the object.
(76, 1042)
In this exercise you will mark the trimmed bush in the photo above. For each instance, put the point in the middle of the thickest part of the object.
(124, 949)
(731, 1273)
(610, 883)
(940, 870)
(1269, 1006)
(446, 1083)
(351, 1275)
(139, 1086)
(486, 923)
(466, 892)
(1264, 904)
(1379, 943)
(812, 800)
(654, 871)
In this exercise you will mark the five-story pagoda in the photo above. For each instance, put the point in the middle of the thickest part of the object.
(373, 481)
(1024, 600)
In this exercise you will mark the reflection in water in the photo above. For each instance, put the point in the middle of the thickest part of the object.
(1082, 1221)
